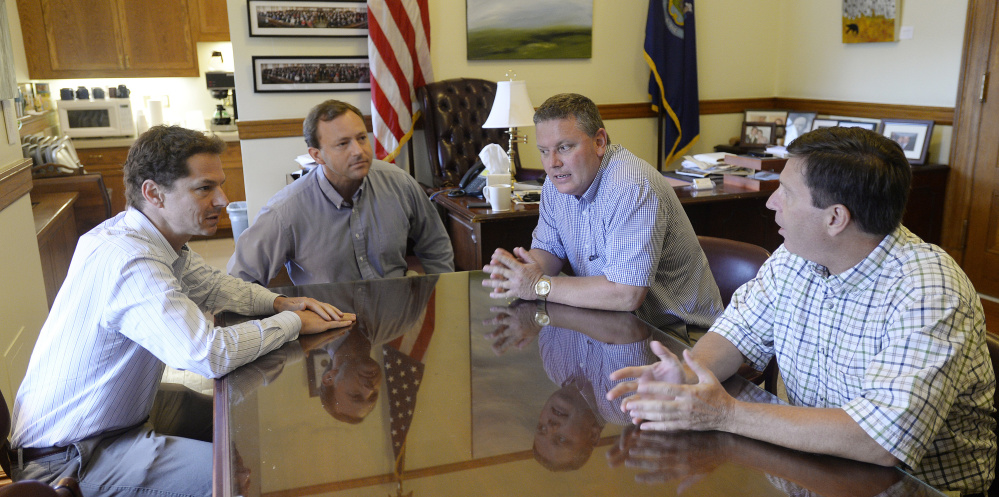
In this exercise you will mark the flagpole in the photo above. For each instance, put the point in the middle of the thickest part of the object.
(660, 137)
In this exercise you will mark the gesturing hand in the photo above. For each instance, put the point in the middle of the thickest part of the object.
(665, 406)
(512, 275)
(668, 370)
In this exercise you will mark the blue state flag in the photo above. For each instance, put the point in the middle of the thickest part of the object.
(671, 54)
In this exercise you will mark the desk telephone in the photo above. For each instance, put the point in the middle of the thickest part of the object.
(473, 181)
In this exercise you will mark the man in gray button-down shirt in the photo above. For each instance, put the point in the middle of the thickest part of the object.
(349, 219)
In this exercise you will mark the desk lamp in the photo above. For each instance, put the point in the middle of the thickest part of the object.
(511, 108)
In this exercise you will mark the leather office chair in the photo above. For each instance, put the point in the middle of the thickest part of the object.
(993, 343)
(453, 113)
(67, 487)
(732, 264)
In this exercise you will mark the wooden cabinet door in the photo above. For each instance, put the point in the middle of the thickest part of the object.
(157, 36)
(234, 186)
(209, 20)
(57, 41)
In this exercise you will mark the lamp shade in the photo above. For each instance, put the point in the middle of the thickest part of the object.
(512, 107)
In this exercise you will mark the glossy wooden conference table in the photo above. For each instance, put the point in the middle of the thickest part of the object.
(475, 398)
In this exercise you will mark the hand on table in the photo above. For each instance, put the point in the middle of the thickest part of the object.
(316, 316)
(512, 275)
(515, 326)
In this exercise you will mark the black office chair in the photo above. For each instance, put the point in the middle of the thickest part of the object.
(732, 264)
(453, 113)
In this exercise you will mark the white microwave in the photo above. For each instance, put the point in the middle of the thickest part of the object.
(110, 118)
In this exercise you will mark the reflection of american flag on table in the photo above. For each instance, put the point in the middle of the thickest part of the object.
(403, 374)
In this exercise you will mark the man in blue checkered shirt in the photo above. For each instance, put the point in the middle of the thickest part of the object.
(617, 223)
(879, 336)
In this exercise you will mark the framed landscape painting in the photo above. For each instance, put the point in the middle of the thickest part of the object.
(529, 29)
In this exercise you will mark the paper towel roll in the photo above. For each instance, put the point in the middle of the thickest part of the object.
(141, 124)
(155, 112)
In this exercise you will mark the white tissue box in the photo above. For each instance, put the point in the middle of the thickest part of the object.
(499, 179)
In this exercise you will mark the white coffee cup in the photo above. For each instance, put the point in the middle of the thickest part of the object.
(499, 196)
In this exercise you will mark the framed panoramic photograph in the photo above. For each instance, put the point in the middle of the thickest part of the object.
(858, 124)
(912, 135)
(293, 74)
(824, 123)
(758, 134)
(301, 18)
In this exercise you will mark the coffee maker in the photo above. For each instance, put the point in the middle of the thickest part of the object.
(222, 86)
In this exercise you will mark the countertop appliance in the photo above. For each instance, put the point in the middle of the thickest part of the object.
(96, 118)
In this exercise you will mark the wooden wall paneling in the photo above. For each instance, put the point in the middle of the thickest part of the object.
(15, 182)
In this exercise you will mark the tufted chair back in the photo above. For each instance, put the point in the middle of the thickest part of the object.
(454, 111)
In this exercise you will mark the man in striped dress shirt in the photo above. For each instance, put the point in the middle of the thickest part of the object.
(135, 299)
(617, 223)
(879, 336)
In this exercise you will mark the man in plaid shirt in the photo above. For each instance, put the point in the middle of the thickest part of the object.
(879, 336)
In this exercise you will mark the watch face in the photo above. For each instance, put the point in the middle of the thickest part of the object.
(542, 287)
(542, 319)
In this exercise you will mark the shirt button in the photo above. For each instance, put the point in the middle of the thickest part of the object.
(829, 306)
(357, 235)
(361, 258)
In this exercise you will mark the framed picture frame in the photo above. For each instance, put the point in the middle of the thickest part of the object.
(913, 135)
(758, 134)
(824, 123)
(859, 124)
(307, 18)
(798, 123)
(305, 73)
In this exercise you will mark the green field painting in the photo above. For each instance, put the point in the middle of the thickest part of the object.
(549, 42)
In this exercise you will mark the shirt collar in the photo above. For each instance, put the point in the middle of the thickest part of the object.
(136, 220)
(591, 193)
(867, 270)
(331, 193)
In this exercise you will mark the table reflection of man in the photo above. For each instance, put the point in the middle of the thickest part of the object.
(350, 381)
(579, 349)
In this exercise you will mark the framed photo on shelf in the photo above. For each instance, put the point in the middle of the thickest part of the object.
(912, 135)
(798, 123)
(307, 18)
(859, 124)
(296, 74)
(758, 134)
(824, 123)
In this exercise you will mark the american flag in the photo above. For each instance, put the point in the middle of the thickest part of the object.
(399, 56)
(403, 374)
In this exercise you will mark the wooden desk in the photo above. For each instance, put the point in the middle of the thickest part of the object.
(469, 419)
(55, 227)
(727, 211)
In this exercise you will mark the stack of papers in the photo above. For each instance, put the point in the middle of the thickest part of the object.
(705, 165)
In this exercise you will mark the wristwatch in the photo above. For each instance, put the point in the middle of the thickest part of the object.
(541, 314)
(543, 286)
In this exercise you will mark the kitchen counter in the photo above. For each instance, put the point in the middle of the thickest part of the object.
(84, 143)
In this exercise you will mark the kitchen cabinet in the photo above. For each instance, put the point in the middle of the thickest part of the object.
(109, 162)
(67, 39)
(209, 20)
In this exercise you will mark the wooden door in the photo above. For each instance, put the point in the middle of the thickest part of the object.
(976, 150)
(157, 36)
(71, 45)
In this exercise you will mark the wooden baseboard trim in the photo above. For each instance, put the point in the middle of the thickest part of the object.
(15, 182)
(284, 128)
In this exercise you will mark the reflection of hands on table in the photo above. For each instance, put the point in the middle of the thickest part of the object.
(515, 326)
(671, 456)
(314, 341)
(512, 275)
